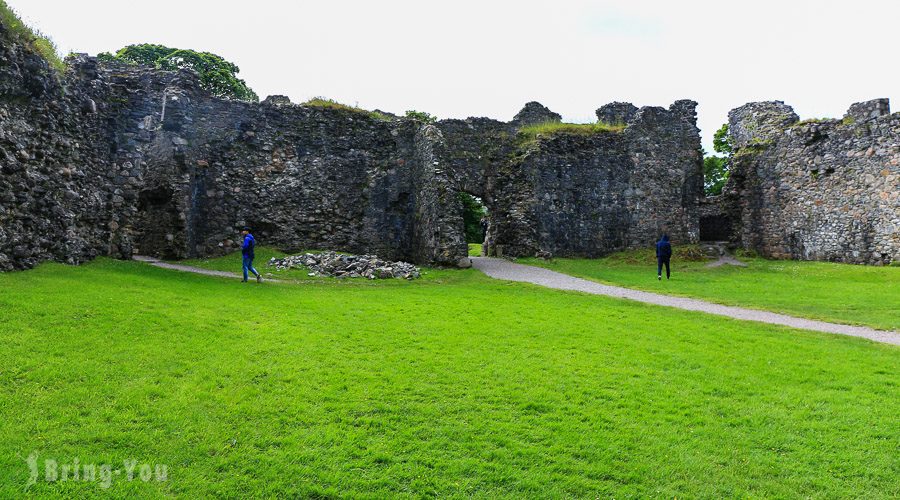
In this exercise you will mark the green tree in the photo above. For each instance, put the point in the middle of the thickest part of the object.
(715, 173)
(473, 212)
(721, 141)
(217, 76)
(717, 168)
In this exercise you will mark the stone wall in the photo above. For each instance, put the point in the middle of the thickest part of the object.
(303, 177)
(816, 190)
(55, 167)
(591, 194)
(114, 159)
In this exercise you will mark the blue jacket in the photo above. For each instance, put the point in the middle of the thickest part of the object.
(248, 246)
(663, 248)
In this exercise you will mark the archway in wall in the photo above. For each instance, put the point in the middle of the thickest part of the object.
(475, 222)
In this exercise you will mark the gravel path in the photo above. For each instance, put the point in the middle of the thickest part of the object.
(191, 269)
(505, 270)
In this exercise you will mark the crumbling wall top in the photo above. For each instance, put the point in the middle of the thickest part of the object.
(535, 112)
(617, 112)
(759, 122)
(277, 100)
(867, 110)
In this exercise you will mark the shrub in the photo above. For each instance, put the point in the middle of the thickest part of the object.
(421, 116)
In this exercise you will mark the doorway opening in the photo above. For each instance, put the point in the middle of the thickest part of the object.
(475, 223)
(715, 228)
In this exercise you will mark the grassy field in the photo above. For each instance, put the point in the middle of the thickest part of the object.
(452, 385)
(841, 293)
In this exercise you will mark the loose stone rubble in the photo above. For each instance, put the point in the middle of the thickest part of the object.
(347, 266)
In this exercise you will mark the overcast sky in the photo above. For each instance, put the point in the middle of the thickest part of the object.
(460, 58)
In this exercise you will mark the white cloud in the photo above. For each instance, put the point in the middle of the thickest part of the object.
(487, 58)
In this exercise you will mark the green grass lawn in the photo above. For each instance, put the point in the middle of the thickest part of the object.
(842, 293)
(475, 249)
(232, 261)
(452, 385)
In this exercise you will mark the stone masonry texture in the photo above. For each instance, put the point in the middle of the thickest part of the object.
(818, 189)
(114, 159)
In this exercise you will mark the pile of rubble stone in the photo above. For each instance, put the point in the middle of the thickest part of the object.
(346, 266)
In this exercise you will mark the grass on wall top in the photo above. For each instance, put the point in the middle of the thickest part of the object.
(323, 102)
(38, 41)
(552, 128)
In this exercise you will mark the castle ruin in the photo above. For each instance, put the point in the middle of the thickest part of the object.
(114, 159)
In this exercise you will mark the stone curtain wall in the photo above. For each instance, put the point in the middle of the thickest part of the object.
(55, 164)
(302, 177)
(592, 194)
(116, 159)
(113, 159)
(816, 190)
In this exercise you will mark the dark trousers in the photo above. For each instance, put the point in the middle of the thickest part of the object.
(659, 265)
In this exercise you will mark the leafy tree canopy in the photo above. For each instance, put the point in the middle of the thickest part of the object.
(473, 212)
(721, 141)
(715, 173)
(217, 76)
(716, 169)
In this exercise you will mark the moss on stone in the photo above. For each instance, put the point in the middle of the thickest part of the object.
(813, 120)
(755, 147)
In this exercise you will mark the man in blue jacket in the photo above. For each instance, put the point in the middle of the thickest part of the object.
(663, 254)
(247, 253)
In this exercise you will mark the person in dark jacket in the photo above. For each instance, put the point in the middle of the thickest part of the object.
(247, 252)
(663, 254)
